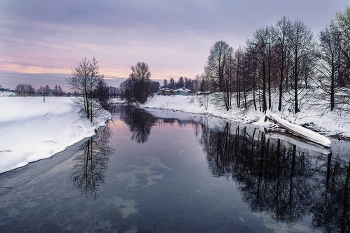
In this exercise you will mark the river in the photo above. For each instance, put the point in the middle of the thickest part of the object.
(167, 171)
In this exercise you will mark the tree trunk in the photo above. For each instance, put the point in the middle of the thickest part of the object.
(264, 87)
(296, 109)
(281, 82)
(332, 84)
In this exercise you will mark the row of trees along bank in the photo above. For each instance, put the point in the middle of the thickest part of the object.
(286, 58)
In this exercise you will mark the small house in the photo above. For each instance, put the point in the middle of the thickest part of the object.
(182, 91)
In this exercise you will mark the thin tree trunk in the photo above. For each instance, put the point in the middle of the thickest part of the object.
(296, 109)
(281, 82)
(332, 84)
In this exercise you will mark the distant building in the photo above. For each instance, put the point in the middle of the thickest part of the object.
(182, 91)
(165, 91)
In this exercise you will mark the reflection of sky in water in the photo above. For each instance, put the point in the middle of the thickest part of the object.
(168, 175)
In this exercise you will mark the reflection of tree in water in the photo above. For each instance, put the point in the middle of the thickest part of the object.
(139, 121)
(91, 164)
(279, 180)
(331, 210)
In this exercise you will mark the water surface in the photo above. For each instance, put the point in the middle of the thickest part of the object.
(146, 173)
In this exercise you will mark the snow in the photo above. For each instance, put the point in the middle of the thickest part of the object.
(7, 93)
(117, 101)
(32, 130)
(194, 104)
(308, 134)
(313, 113)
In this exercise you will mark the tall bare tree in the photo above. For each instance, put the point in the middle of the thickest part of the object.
(84, 80)
(141, 83)
(259, 47)
(330, 60)
(165, 83)
(228, 79)
(283, 27)
(342, 25)
(216, 64)
(172, 83)
(302, 48)
(238, 67)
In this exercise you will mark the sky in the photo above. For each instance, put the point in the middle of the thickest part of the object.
(42, 40)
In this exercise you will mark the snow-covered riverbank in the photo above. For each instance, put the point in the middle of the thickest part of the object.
(32, 130)
(312, 116)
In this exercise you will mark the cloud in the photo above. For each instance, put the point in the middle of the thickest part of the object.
(173, 37)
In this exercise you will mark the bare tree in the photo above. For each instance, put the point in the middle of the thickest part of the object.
(19, 89)
(228, 79)
(44, 91)
(330, 60)
(341, 24)
(259, 44)
(180, 83)
(165, 83)
(271, 71)
(84, 80)
(101, 93)
(282, 27)
(216, 64)
(172, 83)
(238, 72)
(302, 48)
(141, 82)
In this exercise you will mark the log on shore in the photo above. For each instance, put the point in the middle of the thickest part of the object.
(299, 130)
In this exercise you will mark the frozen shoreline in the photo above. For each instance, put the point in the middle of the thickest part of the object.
(329, 124)
(32, 130)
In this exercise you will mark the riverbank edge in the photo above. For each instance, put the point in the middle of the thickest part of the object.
(270, 126)
(97, 133)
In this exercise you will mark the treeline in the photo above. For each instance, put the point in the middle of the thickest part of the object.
(28, 90)
(286, 58)
(188, 83)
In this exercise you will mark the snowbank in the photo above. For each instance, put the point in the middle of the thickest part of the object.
(313, 115)
(7, 94)
(195, 104)
(301, 131)
(178, 103)
(32, 130)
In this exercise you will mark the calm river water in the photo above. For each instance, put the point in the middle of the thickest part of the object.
(164, 171)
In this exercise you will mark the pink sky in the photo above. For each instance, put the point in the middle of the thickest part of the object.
(40, 41)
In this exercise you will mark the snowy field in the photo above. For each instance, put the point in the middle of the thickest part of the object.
(33, 130)
(314, 116)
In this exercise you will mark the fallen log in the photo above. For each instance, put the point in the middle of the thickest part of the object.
(299, 130)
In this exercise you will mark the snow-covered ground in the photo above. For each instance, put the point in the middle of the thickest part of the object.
(314, 116)
(7, 93)
(32, 130)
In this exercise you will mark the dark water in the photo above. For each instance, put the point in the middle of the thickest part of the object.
(151, 174)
